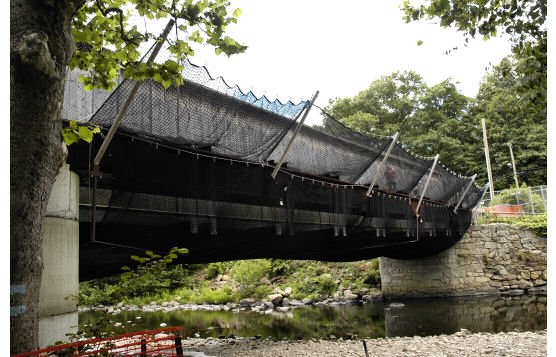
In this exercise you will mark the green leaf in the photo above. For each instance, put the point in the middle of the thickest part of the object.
(166, 83)
(172, 256)
(85, 134)
(125, 268)
(136, 258)
(419, 43)
(183, 250)
(237, 12)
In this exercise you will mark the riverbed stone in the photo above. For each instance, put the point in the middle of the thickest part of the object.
(275, 298)
(246, 302)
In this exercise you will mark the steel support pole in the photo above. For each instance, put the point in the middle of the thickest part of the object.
(297, 129)
(381, 166)
(116, 124)
(426, 184)
(487, 158)
(465, 192)
(513, 165)
(129, 99)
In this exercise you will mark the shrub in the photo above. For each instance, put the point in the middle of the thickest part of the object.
(249, 272)
(214, 269)
(280, 267)
(520, 195)
(537, 223)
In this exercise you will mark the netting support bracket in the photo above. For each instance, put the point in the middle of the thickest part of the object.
(379, 170)
(297, 129)
(465, 192)
(426, 186)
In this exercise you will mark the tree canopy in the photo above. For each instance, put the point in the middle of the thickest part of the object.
(439, 119)
(112, 38)
(522, 20)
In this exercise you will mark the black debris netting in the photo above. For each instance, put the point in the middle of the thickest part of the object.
(191, 167)
(154, 197)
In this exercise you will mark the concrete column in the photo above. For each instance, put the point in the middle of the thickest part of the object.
(60, 278)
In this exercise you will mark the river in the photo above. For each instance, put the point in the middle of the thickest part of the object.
(421, 317)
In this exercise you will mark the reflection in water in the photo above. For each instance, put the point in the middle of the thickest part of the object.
(418, 317)
(477, 314)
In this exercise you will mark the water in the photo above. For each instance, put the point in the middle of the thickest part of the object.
(418, 317)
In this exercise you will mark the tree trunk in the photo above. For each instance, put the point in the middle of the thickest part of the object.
(40, 48)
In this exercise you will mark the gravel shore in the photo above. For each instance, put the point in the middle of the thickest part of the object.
(462, 343)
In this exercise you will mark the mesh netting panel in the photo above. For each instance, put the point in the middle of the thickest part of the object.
(80, 105)
(331, 150)
(400, 173)
(442, 185)
(195, 116)
(200, 75)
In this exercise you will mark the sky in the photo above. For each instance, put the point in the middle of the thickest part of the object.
(340, 47)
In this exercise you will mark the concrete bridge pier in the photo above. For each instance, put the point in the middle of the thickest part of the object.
(60, 278)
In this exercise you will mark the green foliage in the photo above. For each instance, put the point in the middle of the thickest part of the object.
(114, 43)
(205, 294)
(249, 272)
(537, 223)
(281, 267)
(515, 196)
(214, 269)
(73, 133)
(315, 286)
(522, 20)
(440, 120)
(152, 276)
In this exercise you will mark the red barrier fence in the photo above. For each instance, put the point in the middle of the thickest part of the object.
(163, 342)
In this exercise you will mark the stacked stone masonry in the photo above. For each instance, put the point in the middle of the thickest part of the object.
(488, 259)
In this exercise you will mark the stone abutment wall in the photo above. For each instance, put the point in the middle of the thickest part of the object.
(488, 259)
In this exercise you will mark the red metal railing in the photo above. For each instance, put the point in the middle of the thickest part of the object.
(162, 342)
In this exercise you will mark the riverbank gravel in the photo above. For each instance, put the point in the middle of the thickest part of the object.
(463, 343)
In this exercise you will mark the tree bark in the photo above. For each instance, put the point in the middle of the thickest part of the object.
(41, 45)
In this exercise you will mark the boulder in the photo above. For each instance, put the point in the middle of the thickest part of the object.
(275, 298)
(246, 302)
(307, 301)
(295, 302)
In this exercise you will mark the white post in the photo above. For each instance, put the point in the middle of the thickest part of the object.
(531, 200)
(465, 192)
(379, 170)
(487, 157)
(297, 129)
(513, 165)
(426, 184)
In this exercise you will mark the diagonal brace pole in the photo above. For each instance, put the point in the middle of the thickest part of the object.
(129, 99)
(381, 166)
(465, 192)
(116, 124)
(297, 129)
(426, 184)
